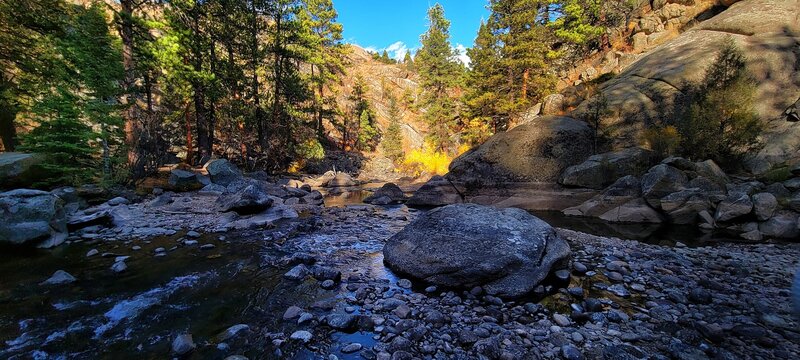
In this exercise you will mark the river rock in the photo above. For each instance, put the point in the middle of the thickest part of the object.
(60, 277)
(764, 205)
(81, 220)
(388, 190)
(602, 170)
(222, 172)
(783, 224)
(734, 206)
(660, 181)
(301, 335)
(438, 191)
(634, 211)
(341, 179)
(183, 344)
(32, 217)
(184, 180)
(250, 200)
(508, 252)
(534, 152)
(682, 207)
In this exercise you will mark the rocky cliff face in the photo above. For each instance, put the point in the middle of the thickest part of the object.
(383, 79)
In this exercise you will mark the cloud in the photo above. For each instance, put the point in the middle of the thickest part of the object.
(397, 50)
(462, 56)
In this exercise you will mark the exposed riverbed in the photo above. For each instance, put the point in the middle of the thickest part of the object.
(646, 302)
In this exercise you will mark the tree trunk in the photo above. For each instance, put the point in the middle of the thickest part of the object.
(189, 152)
(525, 77)
(200, 111)
(8, 132)
(259, 118)
(129, 80)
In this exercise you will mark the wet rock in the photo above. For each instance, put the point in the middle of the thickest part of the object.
(322, 273)
(343, 322)
(292, 312)
(32, 217)
(734, 206)
(404, 283)
(561, 320)
(222, 172)
(207, 246)
(297, 273)
(510, 251)
(92, 252)
(389, 191)
(59, 277)
(183, 344)
(232, 332)
(351, 348)
(119, 266)
(301, 335)
(250, 200)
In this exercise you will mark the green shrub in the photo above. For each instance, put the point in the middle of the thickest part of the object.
(721, 123)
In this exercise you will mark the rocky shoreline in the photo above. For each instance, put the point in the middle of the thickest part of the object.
(307, 281)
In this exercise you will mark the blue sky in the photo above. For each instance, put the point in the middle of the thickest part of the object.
(396, 25)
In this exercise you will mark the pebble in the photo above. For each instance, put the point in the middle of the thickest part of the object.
(60, 277)
(292, 312)
(561, 320)
(193, 234)
(207, 246)
(160, 250)
(404, 283)
(119, 267)
(190, 242)
(301, 335)
(92, 252)
(570, 352)
(136, 248)
(351, 348)
(328, 284)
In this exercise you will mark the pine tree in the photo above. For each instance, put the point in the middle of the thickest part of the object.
(367, 133)
(392, 141)
(327, 57)
(439, 73)
(482, 96)
(408, 61)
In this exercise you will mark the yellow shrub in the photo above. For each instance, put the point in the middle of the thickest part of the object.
(427, 160)
(664, 141)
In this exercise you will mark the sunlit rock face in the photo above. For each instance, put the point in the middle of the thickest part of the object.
(508, 252)
(534, 152)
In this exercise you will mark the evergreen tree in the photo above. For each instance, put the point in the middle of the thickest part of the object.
(392, 141)
(439, 72)
(77, 98)
(486, 75)
(721, 123)
(367, 133)
(327, 57)
(408, 61)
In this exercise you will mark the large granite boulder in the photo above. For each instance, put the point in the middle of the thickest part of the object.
(222, 172)
(766, 30)
(251, 199)
(534, 152)
(438, 191)
(683, 207)
(18, 169)
(601, 170)
(634, 211)
(389, 193)
(734, 206)
(660, 181)
(32, 217)
(508, 252)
